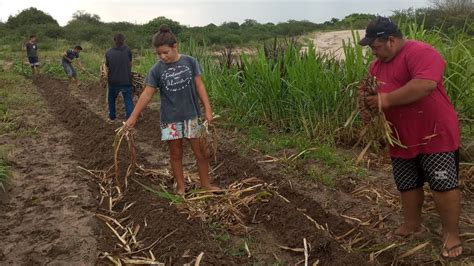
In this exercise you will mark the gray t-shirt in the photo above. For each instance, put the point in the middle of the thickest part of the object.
(175, 81)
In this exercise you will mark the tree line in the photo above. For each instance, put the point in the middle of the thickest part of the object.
(89, 27)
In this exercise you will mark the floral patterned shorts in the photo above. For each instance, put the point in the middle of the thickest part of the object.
(188, 129)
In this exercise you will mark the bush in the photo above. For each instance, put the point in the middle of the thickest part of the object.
(153, 26)
(30, 17)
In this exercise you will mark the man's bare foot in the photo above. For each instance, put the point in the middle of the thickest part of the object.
(452, 247)
(212, 188)
(404, 231)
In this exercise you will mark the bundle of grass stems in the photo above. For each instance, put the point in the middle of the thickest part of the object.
(121, 134)
(377, 130)
(103, 76)
(138, 83)
(467, 179)
(138, 80)
(110, 185)
(226, 207)
(208, 140)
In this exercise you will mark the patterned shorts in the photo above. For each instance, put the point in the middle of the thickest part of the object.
(440, 170)
(188, 129)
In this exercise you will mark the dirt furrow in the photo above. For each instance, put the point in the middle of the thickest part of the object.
(44, 218)
(272, 224)
(92, 144)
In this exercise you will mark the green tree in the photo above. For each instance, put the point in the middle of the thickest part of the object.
(88, 27)
(153, 26)
(231, 25)
(32, 21)
(357, 20)
(30, 17)
(83, 17)
(249, 23)
(454, 7)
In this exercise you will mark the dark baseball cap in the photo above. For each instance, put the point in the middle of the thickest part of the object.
(377, 28)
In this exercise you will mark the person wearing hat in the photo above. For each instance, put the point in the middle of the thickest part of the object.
(412, 96)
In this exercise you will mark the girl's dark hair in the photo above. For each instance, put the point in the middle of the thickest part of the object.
(164, 37)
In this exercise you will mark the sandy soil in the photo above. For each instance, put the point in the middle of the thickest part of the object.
(331, 42)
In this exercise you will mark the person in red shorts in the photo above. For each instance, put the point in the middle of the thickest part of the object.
(412, 96)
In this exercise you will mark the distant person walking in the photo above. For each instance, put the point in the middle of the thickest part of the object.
(118, 60)
(177, 77)
(415, 102)
(32, 54)
(67, 62)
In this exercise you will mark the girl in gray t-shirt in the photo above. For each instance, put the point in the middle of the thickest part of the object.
(178, 79)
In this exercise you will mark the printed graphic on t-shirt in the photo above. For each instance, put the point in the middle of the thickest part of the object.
(177, 78)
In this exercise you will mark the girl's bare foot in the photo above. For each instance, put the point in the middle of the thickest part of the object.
(180, 191)
(404, 231)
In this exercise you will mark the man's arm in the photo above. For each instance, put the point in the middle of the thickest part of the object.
(414, 90)
(80, 64)
(67, 58)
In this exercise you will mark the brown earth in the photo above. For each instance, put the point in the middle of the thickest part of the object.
(49, 214)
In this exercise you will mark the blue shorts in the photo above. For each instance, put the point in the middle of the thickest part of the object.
(33, 61)
(440, 170)
(189, 129)
(69, 69)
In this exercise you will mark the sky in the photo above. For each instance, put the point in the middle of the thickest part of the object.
(204, 12)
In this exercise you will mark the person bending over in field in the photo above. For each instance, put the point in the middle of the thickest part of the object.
(67, 62)
(178, 79)
(32, 53)
(414, 100)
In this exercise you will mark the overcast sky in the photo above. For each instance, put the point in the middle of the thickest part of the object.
(203, 12)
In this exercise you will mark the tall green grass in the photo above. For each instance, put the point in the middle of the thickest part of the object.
(3, 174)
(458, 53)
(313, 94)
(290, 92)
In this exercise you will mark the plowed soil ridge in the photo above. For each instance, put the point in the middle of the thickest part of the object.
(272, 224)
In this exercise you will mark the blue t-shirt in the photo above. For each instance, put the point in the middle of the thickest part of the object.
(118, 60)
(71, 55)
(175, 81)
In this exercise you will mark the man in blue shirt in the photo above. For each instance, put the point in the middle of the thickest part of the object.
(118, 60)
(67, 62)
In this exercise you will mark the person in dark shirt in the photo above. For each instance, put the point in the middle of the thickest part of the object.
(67, 61)
(32, 54)
(118, 60)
